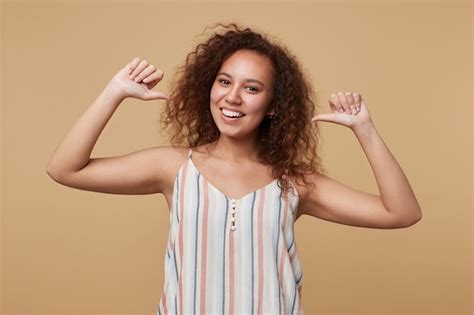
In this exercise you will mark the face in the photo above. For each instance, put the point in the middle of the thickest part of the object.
(243, 85)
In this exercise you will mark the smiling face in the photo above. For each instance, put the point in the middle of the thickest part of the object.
(243, 85)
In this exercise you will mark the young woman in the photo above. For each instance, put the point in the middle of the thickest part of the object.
(242, 168)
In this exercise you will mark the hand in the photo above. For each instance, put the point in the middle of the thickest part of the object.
(137, 79)
(348, 109)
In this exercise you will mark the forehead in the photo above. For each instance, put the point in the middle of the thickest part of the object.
(248, 64)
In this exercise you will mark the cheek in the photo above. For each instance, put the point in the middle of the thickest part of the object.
(216, 93)
(257, 104)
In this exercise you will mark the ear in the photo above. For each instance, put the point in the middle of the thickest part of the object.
(270, 112)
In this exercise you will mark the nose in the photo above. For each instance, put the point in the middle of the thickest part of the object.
(233, 96)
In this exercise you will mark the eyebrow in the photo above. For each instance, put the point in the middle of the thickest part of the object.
(247, 80)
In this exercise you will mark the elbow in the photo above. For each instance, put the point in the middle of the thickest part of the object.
(50, 173)
(49, 169)
(53, 175)
(418, 216)
(414, 219)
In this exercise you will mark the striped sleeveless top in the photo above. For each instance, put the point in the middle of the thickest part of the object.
(230, 256)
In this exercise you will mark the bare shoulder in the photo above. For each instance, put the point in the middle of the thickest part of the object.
(145, 171)
(176, 156)
(302, 190)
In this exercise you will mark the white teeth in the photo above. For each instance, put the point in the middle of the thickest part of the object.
(231, 113)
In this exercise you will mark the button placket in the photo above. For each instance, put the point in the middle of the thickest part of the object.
(233, 203)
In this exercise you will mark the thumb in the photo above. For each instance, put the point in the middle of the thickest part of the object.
(155, 95)
(324, 117)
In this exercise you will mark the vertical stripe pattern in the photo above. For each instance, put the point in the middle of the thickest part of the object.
(212, 269)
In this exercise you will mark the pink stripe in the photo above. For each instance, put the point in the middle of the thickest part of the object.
(165, 309)
(231, 271)
(204, 246)
(260, 251)
(180, 234)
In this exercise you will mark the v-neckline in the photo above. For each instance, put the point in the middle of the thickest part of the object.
(220, 191)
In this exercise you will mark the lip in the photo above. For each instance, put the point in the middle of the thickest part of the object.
(232, 110)
(228, 119)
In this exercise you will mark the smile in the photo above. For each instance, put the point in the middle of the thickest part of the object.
(231, 114)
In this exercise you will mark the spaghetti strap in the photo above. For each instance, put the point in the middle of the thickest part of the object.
(190, 152)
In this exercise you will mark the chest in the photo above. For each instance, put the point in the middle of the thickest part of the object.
(233, 180)
(199, 204)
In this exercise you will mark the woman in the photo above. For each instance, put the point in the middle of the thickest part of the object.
(242, 168)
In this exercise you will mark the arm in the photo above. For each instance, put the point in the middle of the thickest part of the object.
(71, 164)
(74, 151)
(333, 201)
(395, 191)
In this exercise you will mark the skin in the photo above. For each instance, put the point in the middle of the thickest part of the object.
(237, 141)
(233, 154)
(396, 205)
(244, 83)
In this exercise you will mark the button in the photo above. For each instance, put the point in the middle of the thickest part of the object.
(232, 228)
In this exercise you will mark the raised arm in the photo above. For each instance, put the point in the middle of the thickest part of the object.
(71, 164)
(395, 207)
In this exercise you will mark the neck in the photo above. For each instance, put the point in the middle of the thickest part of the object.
(235, 150)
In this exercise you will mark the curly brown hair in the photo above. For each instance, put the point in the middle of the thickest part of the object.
(288, 142)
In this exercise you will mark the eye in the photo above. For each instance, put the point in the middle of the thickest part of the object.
(223, 81)
(255, 89)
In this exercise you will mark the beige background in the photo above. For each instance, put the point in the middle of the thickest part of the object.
(69, 251)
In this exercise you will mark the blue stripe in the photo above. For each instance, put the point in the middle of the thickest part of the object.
(292, 242)
(177, 199)
(175, 263)
(296, 289)
(196, 241)
(177, 280)
(299, 279)
(294, 300)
